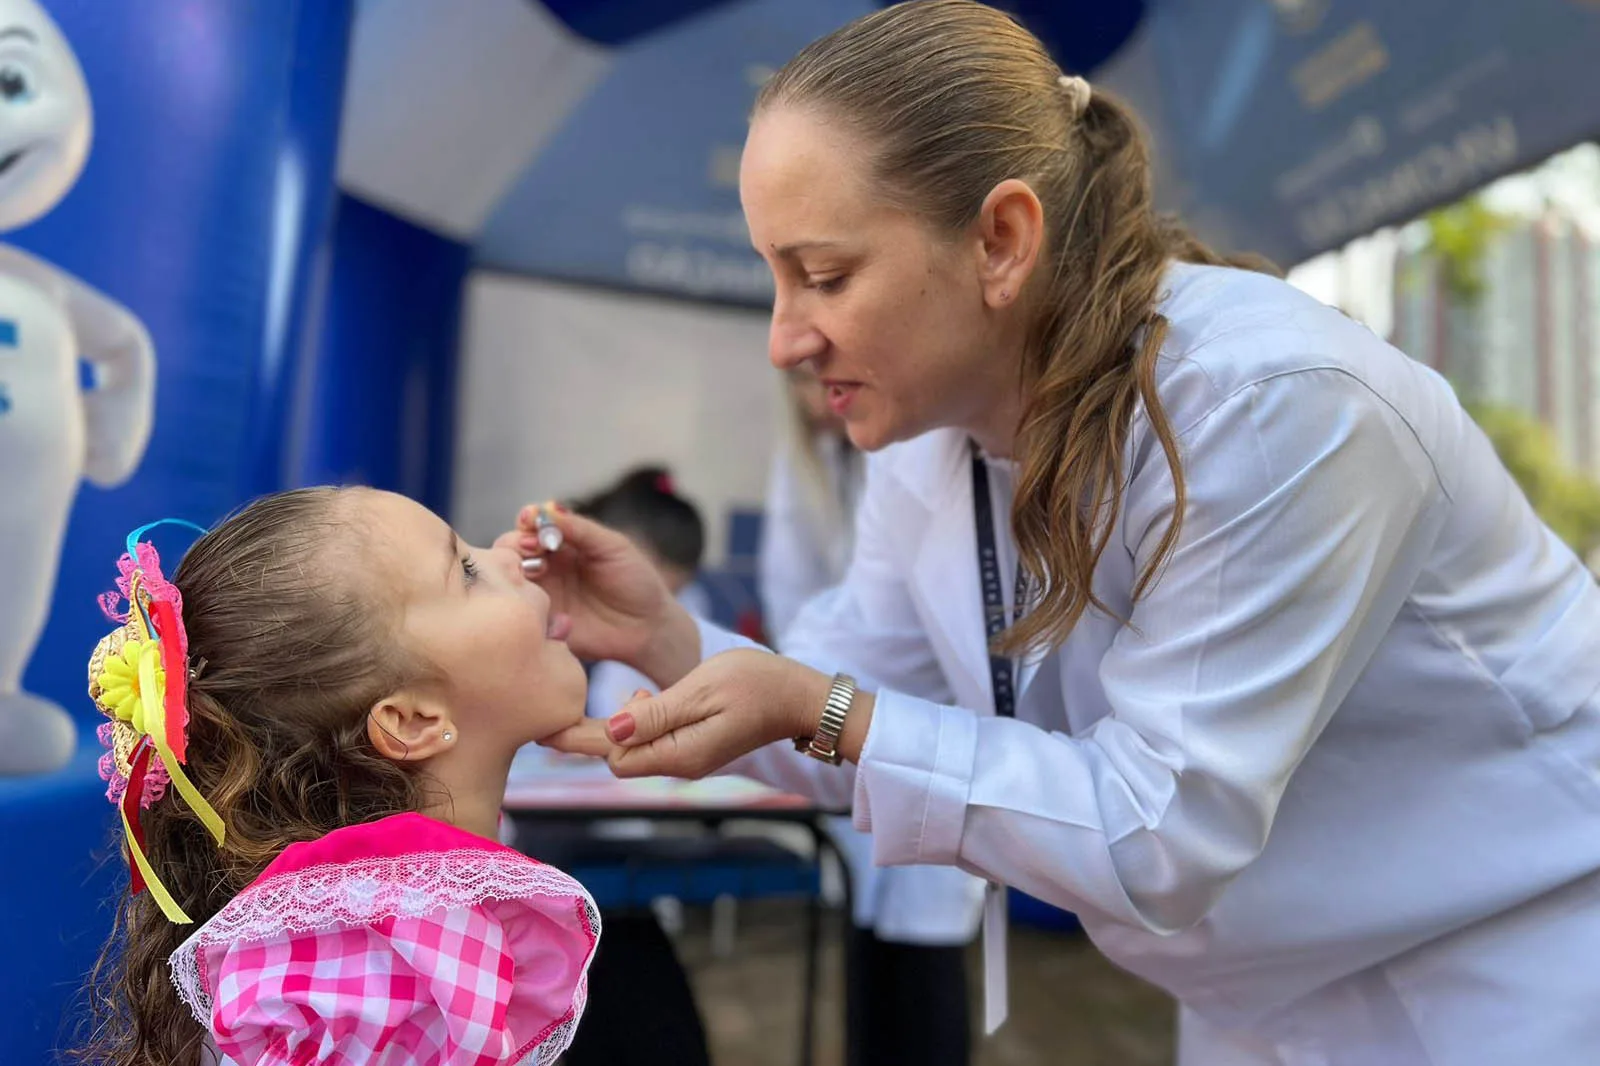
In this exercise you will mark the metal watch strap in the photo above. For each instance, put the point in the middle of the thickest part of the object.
(824, 744)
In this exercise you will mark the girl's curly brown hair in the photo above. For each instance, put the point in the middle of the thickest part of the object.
(297, 647)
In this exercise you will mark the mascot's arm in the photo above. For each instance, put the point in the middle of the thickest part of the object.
(119, 408)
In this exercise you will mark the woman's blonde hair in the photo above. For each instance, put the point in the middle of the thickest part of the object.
(826, 507)
(953, 97)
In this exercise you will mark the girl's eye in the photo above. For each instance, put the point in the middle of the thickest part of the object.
(829, 286)
(469, 569)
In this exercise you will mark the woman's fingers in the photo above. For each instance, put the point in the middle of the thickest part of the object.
(691, 750)
(662, 734)
(526, 546)
(643, 719)
(585, 535)
(588, 737)
(550, 537)
(544, 537)
(528, 518)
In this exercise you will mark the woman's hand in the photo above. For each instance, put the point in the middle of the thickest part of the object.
(618, 606)
(728, 706)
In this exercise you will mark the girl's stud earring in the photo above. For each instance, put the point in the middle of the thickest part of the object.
(449, 735)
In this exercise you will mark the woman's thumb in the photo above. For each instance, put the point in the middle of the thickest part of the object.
(645, 718)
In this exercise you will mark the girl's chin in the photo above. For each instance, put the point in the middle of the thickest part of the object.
(552, 721)
(569, 717)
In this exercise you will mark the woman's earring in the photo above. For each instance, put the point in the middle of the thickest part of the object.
(449, 735)
(1004, 296)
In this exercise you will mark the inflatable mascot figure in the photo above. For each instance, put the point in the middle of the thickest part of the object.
(54, 429)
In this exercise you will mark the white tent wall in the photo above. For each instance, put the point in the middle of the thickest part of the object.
(562, 387)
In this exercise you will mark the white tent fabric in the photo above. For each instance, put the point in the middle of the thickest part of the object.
(446, 102)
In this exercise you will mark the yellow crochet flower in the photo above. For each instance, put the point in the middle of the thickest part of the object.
(130, 681)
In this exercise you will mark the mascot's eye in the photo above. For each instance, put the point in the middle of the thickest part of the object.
(14, 84)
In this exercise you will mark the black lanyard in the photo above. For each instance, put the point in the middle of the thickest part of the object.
(1002, 672)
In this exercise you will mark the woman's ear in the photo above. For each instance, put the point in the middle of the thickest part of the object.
(405, 728)
(1011, 229)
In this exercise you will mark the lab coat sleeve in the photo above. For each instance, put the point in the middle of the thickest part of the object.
(1311, 507)
(867, 627)
(792, 567)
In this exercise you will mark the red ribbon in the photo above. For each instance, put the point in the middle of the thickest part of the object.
(132, 800)
(165, 622)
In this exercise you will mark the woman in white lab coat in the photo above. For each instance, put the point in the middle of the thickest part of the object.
(1307, 699)
(907, 990)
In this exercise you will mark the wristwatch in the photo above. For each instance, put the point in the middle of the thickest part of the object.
(824, 743)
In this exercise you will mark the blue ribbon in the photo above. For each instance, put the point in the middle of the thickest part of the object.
(133, 544)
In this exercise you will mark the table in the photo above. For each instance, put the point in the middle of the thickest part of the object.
(547, 788)
(590, 798)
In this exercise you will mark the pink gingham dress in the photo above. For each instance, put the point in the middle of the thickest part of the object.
(403, 942)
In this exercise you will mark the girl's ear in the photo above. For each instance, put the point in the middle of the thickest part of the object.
(405, 728)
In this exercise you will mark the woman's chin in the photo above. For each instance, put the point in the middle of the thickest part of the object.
(869, 434)
(862, 435)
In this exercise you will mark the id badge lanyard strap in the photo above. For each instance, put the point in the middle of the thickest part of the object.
(1003, 681)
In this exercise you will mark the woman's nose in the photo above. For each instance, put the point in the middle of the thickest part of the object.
(792, 340)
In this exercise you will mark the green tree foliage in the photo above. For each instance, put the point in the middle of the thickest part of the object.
(1568, 501)
(1459, 237)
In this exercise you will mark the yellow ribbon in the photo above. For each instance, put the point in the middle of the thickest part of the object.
(142, 706)
(152, 883)
(152, 679)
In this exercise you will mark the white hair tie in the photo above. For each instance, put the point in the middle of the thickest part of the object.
(1078, 92)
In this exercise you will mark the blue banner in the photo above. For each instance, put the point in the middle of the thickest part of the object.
(640, 186)
(1297, 125)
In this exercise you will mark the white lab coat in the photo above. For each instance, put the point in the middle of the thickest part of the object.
(802, 556)
(1337, 786)
(804, 549)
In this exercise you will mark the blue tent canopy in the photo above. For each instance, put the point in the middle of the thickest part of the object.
(1282, 126)
(606, 149)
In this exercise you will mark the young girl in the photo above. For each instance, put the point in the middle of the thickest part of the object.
(311, 728)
